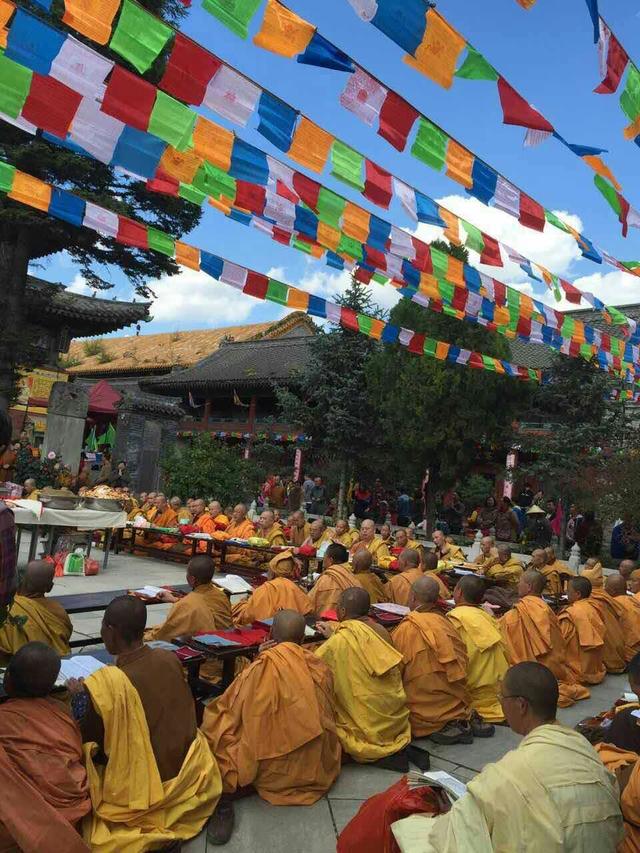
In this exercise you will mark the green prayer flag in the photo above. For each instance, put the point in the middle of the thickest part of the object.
(277, 291)
(111, 435)
(430, 144)
(211, 180)
(351, 247)
(630, 98)
(191, 193)
(489, 362)
(330, 207)
(617, 346)
(234, 14)
(160, 241)
(7, 174)
(379, 278)
(447, 291)
(15, 83)
(440, 262)
(139, 37)
(474, 237)
(609, 193)
(532, 374)
(555, 220)
(617, 317)
(429, 347)
(449, 311)
(631, 265)
(172, 121)
(476, 67)
(568, 327)
(303, 246)
(364, 324)
(91, 443)
(514, 316)
(585, 351)
(347, 165)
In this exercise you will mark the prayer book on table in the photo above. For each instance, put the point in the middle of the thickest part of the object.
(438, 779)
(232, 583)
(389, 607)
(148, 591)
(215, 640)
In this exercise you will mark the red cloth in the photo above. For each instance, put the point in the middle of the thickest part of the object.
(329, 615)
(307, 551)
(396, 120)
(163, 184)
(491, 253)
(617, 60)
(131, 233)
(572, 293)
(349, 319)
(129, 98)
(416, 344)
(250, 197)
(459, 301)
(370, 830)
(531, 213)
(377, 185)
(307, 189)
(51, 105)
(375, 258)
(256, 285)
(286, 192)
(423, 256)
(523, 326)
(517, 111)
(476, 361)
(104, 399)
(189, 71)
(499, 292)
(281, 236)
(624, 213)
(363, 275)
(246, 636)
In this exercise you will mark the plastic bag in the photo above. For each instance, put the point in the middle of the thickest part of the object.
(91, 567)
(74, 564)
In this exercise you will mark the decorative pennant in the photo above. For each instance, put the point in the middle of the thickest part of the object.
(92, 18)
(277, 121)
(476, 67)
(347, 165)
(363, 96)
(234, 14)
(615, 61)
(323, 54)
(189, 70)
(232, 96)
(283, 32)
(139, 36)
(397, 117)
(436, 57)
(129, 99)
(311, 145)
(517, 111)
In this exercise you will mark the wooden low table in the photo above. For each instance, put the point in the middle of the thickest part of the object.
(134, 544)
(237, 568)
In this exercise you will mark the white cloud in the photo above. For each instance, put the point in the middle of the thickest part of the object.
(193, 299)
(79, 285)
(614, 288)
(328, 285)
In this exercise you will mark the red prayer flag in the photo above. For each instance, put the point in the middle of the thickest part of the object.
(349, 319)
(617, 60)
(256, 285)
(51, 105)
(517, 111)
(189, 71)
(129, 98)
(531, 213)
(499, 292)
(377, 185)
(285, 192)
(491, 253)
(281, 236)
(416, 344)
(363, 275)
(475, 360)
(459, 301)
(163, 183)
(524, 326)
(307, 189)
(131, 233)
(422, 260)
(397, 117)
(375, 258)
(250, 197)
(624, 213)
(572, 293)
(574, 349)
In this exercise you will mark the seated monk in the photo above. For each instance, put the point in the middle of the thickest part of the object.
(633, 584)
(488, 555)
(555, 571)
(627, 568)
(203, 521)
(623, 730)
(299, 528)
(485, 649)
(182, 513)
(278, 593)
(610, 611)
(386, 535)
(531, 632)
(220, 518)
(625, 764)
(398, 587)
(361, 567)
(446, 551)
(505, 570)
(616, 587)
(371, 706)
(319, 533)
(583, 632)
(164, 517)
(336, 577)
(430, 566)
(146, 508)
(274, 728)
(45, 620)
(152, 776)
(344, 535)
(403, 541)
(434, 669)
(271, 531)
(240, 527)
(551, 793)
(373, 544)
(45, 792)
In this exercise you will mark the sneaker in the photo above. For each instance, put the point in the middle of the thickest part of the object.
(221, 822)
(419, 757)
(479, 728)
(453, 732)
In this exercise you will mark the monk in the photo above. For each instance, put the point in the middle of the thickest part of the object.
(551, 793)
(434, 669)
(626, 568)
(371, 705)
(445, 551)
(361, 567)
(373, 544)
(610, 611)
(399, 586)
(202, 518)
(269, 530)
(182, 513)
(633, 583)
(160, 782)
(275, 727)
(319, 534)
(220, 518)
(616, 587)
(488, 555)
(555, 571)
(299, 528)
(165, 517)
(506, 570)
(485, 649)
(403, 540)
(240, 527)
(45, 792)
(430, 566)
(583, 628)
(624, 731)
(344, 535)
(531, 632)
(336, 577)
(386, 535)
(278, 593)
(39, 618)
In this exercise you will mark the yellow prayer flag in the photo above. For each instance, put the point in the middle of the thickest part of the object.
(315, 251)
(283, 32)
(311, 145)
(180, 165)
(429, 286)
(355, 222)
(30, 191)
(187, 256)
(459, 163)
(213, 143)
(92, 18)
(498, 365)
(527, 307)
(436, 57)
(3, 37)
(452, 231)
(601, 168)
(455, 272)
(328, 237)
(442, 350)
(297, 299)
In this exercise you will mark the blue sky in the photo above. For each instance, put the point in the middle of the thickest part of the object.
(547, 54)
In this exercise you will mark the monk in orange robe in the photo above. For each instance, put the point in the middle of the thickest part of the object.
(319, 533)
(531, 632)
(399, 586)
(610, 611)
(434, 668)
(164, 517)
(336, 577)
(45, 791)
(361, 567)
(626, 766)
(299, 528)
(220, 518)
(403, 540)
(278, 593)
(616, 587)
(240, 527)
(274, 728)
(374, 544)
(583, 632)
(446, 551)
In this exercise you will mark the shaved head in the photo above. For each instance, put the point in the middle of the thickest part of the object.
(426, 590)
(288, 627)
(615, 585)
(430, 562)
(355, 602)
(504, 552)
(32, 671)
(197, 506)
(471, 589)
(409, 559)
(534, 580)
(538, 557)
(215, 508)
(626, 567)
(362, 561)
(38, 577)
(535, 683)
(582, 586)
(202, 568)
(126, 617)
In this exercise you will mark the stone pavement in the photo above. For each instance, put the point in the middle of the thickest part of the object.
(262, 828)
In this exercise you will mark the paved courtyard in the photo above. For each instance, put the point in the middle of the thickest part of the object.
(262, 828)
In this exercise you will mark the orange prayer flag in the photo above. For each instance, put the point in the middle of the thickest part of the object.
(4, 33)
(328, 237)
(455, 271)
(459, 163)
(187, 256)
(283, 32)
(92, 18)
(355, 222)
(377, 328)
(442, 350)
(315, 251)
(30, 191)
(220, 205)
(452, 231)
(213, 143)
(501, 316)
(601, 168)
(436, 57)
(498, 365)
(181, 165)
(6, 11)
(526, 305)
(297, 299)
(632, 130)
(429, 286)
(311, 145)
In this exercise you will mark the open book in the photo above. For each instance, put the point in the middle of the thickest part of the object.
(389, 607)
(232, 583)
(438, 779)
(78, 666)
(149, 591)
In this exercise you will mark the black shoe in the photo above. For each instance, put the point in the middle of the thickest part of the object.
(399, 762)
(479, 728)
(221, 822)
(419, 757)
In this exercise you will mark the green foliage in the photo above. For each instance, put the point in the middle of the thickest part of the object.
(475, 490)
(46, 472)
(94, 347)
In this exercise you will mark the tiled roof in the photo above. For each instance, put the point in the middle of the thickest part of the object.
(151, 404)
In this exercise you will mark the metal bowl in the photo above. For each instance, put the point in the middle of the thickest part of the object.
(59, 501)
(102, 504)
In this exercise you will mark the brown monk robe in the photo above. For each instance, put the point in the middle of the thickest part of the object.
(610, 611)
(158, 677)
(531, 633)
(319, 533)
(299, 528)
(616, 587)
(555, 571)
(361, 567)
(506, 570)
(399, 586)
(278, 593)
(335, 578)
(583, 632)
(45, 620)
(45, 792)
(434, 667)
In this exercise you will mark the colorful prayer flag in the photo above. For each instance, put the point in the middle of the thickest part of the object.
(129, 99)
(92, 18)
(139, 36)
(517, 111)
(282, 31)
(347, 165)
(363, 96)
(615, 60)
(234, 14)
(430, 144)
(476, 67)
(311, 145)
(231, 95)
(436, 57)
(15, 83)
(189, 70)
(277, 121)
(172, 121)
(397, 117)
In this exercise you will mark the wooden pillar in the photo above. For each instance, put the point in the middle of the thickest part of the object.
(207, 412)
(252, 415)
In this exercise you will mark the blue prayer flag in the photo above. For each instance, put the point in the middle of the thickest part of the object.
(484, 181)
(248, 163)
(335, 261)
(427, 210)
(277, 121)
(317, 306)
(138, 151)
(592, 6)
(322, 53)
(33, 43)
(67, 206)
(403, 21)
(390, 334)
(379, 232)
(211, 264)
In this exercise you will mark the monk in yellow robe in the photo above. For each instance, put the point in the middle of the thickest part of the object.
(582, 626)
(274, 728)
(531, 632)
(45, 620)
(183, 514)
(506, 570)
(616, 587)
(480, 633)
(403, 540)
(361, 567)
(430, 566)
(319, 533)
(625, 764)
(45, 791)
(555, 571)
(447, 553)
(371, 706)
(373, 544)
(344, 535)
(399, 586)
(610, 612)
(299, 528)
(434, 669)
(240, 527)
(278, 593)
(336, 577)
(488, 555)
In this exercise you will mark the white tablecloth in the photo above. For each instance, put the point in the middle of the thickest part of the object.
(83, 519)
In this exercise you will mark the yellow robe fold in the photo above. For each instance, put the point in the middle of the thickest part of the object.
(348, 539)
(581, 624)
(483, 561)
(133, 810)
(614, 758)
(168, 518)
(487, 658)
(378, 550)
(266, 600)
(374, 586)
(297, 535)
(240, 530)
(371, 706)
(509, 572)
(453, 556)
(331, 583)
(46, 622)
(399, 586)
(610, 613)
(630, 623)
(556, 574)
